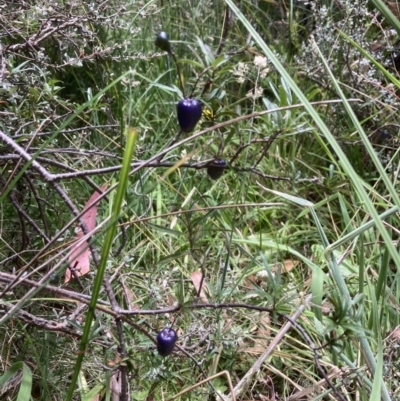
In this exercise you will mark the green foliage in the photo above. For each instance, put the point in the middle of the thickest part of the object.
(302, 105)
(12, 375)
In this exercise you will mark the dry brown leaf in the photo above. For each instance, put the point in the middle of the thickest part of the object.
(111, 363)
(264, 325)
(79, 258)
(228, 322)
(394, 335)
(261, 341)
(286, 267)
(249, 280)
(196, 278)
(130, 298)
(171, 300)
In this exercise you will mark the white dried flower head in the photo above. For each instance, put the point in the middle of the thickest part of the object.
(255, 93)
(262, 274)
(264, 72)
(243, 68)
(260, 62)
(240, 72)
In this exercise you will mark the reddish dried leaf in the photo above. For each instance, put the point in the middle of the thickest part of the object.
(117, 361)
(79, 256)
(249, 281)
(287, 266)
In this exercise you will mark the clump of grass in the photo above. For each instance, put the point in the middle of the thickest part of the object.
(302, 218)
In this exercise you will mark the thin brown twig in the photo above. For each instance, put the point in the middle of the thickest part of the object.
(121, 338)
(122, 314)
(138, 165)
(225, 30)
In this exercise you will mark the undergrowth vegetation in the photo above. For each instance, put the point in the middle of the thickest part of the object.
(278, 275)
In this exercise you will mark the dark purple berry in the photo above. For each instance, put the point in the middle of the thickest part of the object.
(216, 168)
(189, 114)
(162, 42)
(166, 340)
(385, 134)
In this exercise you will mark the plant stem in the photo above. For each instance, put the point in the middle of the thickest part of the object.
(172, 54)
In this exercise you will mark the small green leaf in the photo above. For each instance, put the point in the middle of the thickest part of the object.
(24, 393)
(219, 61)
(208, 54)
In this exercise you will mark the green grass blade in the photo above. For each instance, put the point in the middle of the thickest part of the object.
(357, 182)
(383, 272)
(24, 393)
(377, 383)
(344, 162)
(389, 16)
(123, 182)
(379, 66)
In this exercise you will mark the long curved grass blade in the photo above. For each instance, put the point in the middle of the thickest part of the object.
(377, 383)
(345, 164)
(389, 16)
(116, 210)
(24, 393)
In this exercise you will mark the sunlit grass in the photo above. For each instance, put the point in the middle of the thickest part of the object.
(316, 216)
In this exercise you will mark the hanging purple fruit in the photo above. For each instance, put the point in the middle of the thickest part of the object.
(166, 340)
(216, 168)
(162, 42)
(189, 114)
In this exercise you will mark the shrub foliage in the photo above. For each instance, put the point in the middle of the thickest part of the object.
(276, 250)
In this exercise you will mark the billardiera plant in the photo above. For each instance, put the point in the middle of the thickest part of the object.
(188, 109)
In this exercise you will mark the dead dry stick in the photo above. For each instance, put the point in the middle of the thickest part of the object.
(335, 372)
(224, 372)
(246, 380)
